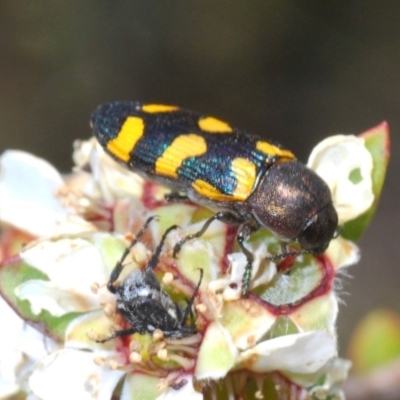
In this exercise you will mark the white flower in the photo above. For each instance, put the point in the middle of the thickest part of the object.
(20, 347)
(27, 197)
(27, 186)
(71, 266)
(287, 324)
(345, 165)
(73, 374)
(108, 181)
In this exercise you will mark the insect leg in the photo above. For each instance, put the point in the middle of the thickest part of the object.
(125, 332)
(244, 232)
(188, 309)
(226, 217)
(119, 266)
(175, 197)
(155, 256)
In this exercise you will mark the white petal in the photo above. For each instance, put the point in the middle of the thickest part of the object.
(342, 253)
(20, 347)
(217, 353)
(140, 387)
(319, 312)
(10, 348)
(334, 159)
(27, 187)
(298, 353)
(76, 334)
(7, 389)
(335, 373)
(72, 266)
(73, 261)
(109, 179)
(44, 295)
(72, 374)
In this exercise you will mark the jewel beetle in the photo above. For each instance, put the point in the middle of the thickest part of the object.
(246, 180)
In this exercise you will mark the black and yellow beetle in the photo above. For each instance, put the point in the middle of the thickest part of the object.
(246, 180)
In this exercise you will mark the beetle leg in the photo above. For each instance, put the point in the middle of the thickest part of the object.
(154, 258)
(119, 266)
(188, 309)
(243, 234)
(223, 216)
(175, 197)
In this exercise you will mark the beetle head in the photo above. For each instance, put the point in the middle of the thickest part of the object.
(295, 203)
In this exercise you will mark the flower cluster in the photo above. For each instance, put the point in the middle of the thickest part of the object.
(279, 341)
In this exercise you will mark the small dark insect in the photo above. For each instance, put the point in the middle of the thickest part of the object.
(142, 302)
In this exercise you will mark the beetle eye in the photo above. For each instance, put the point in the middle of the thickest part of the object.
(319, 230)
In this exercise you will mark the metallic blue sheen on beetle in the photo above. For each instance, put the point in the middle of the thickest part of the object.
(246, 180)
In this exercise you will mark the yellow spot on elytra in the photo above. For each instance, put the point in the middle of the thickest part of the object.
(158, 108)
(211, 192)
(214, 125)
(183, 147)
(245, 172)
(122, 145)
(274, 151)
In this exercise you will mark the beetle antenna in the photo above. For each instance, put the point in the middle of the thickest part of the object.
(288, 254)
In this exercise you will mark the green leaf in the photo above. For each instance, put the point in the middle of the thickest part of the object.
(377, 142)
(16, 272)
(375, 341)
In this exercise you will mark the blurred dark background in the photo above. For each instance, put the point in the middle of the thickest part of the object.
(292, 71)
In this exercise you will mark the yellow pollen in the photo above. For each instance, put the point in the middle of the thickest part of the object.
(158, 334)
(251, 340)
(163, 354)
(167, 278)
(94, 287)
(129, 236)
(113, 364)
(135, 357)
(109, 310)
(201, 308)
(99, 361)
